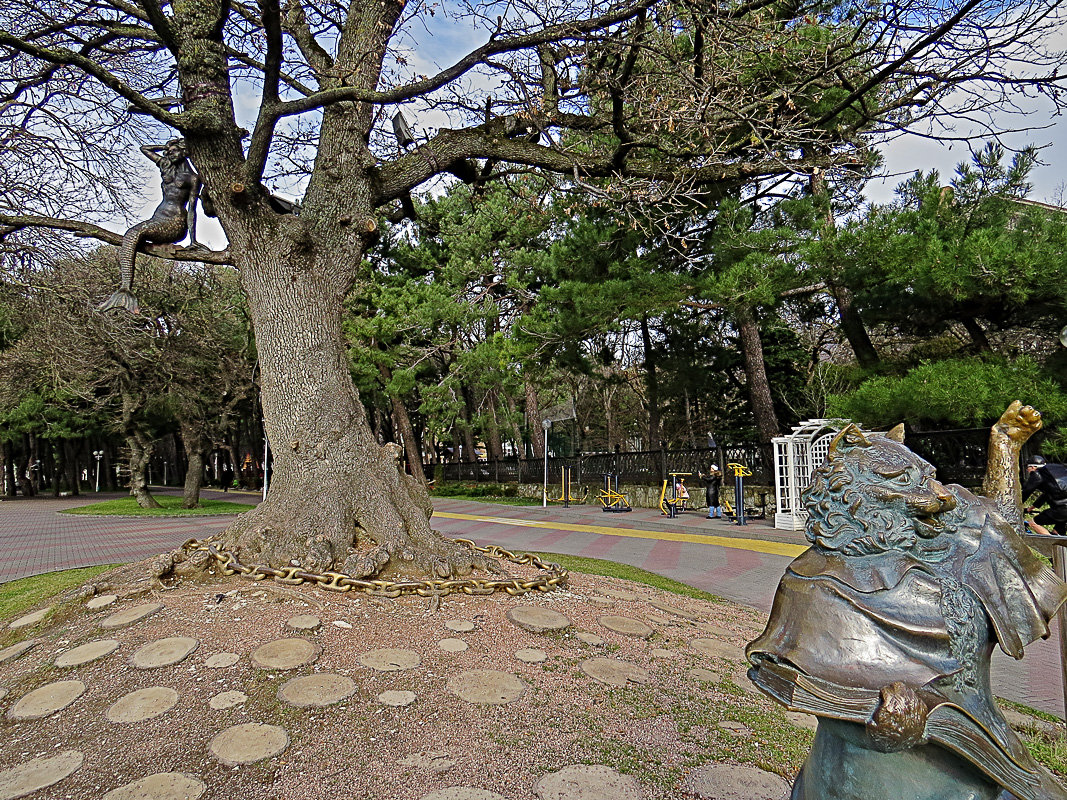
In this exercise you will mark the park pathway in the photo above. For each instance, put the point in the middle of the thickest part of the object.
(740, 564)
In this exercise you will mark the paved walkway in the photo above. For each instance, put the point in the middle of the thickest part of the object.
(740, 563)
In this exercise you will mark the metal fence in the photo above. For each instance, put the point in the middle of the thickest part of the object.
(959, 456)
(588, 469)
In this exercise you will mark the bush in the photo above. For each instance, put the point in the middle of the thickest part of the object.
(953, 393)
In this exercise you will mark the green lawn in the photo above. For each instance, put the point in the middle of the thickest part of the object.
(170, 507)
(611, 569)
(17, 597)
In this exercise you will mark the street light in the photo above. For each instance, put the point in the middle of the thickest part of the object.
(98, 454)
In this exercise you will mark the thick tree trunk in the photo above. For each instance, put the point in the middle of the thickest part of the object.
(140, 454)
(470, 450)
(337, 498)
(194, 444)
(533, 420)
(10, 481)
(655, 428)
(403, 424)
(759, 388)
(853, 328)
(978, 335)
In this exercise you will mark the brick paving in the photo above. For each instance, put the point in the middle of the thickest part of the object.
(35, 538)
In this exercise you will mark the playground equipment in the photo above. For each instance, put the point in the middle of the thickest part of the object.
(740, 473)
(678, 499)
(609, 496)
(565, 496)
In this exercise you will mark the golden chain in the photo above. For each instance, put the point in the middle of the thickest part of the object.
(342, 582)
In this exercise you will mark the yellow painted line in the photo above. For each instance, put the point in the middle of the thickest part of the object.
(755, 545)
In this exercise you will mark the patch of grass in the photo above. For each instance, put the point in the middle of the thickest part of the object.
(18, 597)
(171, 506)
(1024, 709)
(642, 763)
(501, 493)
(1049, 751)
(611, 569)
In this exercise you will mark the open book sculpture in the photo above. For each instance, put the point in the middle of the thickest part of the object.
(885, 627)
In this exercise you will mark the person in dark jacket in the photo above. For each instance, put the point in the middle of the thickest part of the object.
(1049, 482)
(712, 477)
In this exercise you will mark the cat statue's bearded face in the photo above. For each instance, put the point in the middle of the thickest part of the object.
(873, 494)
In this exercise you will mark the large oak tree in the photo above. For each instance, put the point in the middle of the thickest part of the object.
(643, 101)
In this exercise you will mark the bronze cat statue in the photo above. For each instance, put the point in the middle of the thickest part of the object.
(885, 626)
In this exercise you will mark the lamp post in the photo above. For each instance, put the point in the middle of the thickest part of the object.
(98, 454)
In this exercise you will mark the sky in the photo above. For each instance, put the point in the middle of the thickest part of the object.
(902, 156)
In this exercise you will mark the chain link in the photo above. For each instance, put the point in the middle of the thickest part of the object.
(342, 582)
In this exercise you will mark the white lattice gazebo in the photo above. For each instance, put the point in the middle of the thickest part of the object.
(795, 456)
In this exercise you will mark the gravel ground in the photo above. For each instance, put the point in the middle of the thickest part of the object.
(692, 708)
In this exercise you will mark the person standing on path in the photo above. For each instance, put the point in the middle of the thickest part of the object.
(712, 478)
(1049, 481)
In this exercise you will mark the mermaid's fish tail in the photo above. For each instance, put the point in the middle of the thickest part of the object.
(121, 299)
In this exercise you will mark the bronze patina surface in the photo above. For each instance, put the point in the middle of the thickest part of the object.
(885, 627)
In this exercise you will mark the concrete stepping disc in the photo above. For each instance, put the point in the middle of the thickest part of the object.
(17, 649)
(38, 773)
(161, 786)
(221, 660)
(452, 645)
(3, 692)
(47, 700)
(100, 601)
(396, 698)
(87, 652)
(143, 704)
(716, 630)
(619, 594)
(531, 655)
(460, 625)
(537, 620)
(285, 654)
(614, 672)
(717, 649)
(318, 690)
(29, 619)
(667, 608)
(462, 793)
(589, 638)
(603, 602)
(128, 616)
(701, 674)
(390, 659)
(163, 652)
(434, 761)
(248, 743)
(735, 728)
(587, 782)
(486, 687)
(224, 700)
(627, 626)
(734, 782)
(303, 622)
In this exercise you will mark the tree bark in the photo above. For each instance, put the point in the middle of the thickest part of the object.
(140, 454)
(533, 421)
(194, 444)
(337, 498)
(759, 388)
(402, 420)
(977, 334)
(655, 427)
(10, 482)
(853, 328)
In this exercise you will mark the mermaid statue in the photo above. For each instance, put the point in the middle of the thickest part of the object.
(170, 222)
